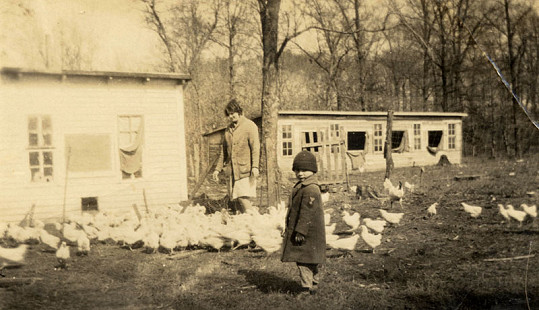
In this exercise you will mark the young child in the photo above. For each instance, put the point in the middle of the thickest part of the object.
(305, 237)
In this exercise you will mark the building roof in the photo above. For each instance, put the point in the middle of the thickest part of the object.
(18, 72)
(320, 114)
(372, 113)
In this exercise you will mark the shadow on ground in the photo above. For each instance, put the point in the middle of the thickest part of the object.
(267, 282)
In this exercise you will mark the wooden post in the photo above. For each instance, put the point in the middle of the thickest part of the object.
(65, 184)
(387, 146)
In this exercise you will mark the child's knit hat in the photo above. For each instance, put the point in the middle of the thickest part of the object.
(305, 160)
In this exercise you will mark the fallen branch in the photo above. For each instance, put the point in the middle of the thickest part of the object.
(187, 253)
(5, 282)
(508, 258)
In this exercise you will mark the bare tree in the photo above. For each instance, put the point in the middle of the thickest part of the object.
(233, 34)
(186, 30)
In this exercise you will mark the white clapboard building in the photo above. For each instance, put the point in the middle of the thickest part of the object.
(75, 141)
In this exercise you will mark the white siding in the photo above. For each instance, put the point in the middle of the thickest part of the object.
(91, 107)
(376, 161)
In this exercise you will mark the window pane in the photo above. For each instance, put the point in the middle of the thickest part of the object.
(32, 123)
(396, 139)
(36, 175)
(47, 139)
(32, 139)
(47, 158)
(125, 139)
(34, 159)
(356, 140)
(135, 123)
(123, 123)
(47, 171)
(46, 123)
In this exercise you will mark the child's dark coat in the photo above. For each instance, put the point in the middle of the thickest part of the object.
(306, 216)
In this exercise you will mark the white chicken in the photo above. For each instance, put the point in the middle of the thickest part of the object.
(83, 244)
(50, 240)
(372, 240)
(392, 218)
(12, 256)
(409, 187)
(3, 229)
(331, 238)
(325, 197)
(516, 214)
(352, 220)
(70, 232)
(375, 225)
(347, 244)
(530, 210)
(270, 241)
(327, 218)
(63, 255)
(395, 193)
(330, 228)
(213, 241)
(503, 212)
(151, 241)
(473, 211)
(431, 211)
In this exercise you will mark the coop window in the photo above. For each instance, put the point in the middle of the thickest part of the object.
(310, 141)
(396, 139)
(435, 137)
(451, 137)
(131, 137)
(40, 155)
(89, 204)
(356, 140)
(417, 136)
(334, 131)
(377, 139)
(287, 140)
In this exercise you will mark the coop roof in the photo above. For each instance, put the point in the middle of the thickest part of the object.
(372, 113)
(146, 76)
(358, 114)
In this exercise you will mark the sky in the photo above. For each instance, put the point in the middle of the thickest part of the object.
(115, 30)
(112, 31)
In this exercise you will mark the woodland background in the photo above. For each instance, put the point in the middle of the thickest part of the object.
(349, 55)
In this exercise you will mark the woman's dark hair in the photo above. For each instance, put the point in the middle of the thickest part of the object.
(232, 107)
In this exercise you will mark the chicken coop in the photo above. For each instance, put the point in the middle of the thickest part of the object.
(353, 142)
(79, 141)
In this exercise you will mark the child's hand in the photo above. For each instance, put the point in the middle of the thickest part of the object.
(300, 238)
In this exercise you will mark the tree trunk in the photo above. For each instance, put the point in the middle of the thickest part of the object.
(512, 75)
(269, 17)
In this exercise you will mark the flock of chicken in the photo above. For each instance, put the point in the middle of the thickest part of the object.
(173, 227)
(508, 212)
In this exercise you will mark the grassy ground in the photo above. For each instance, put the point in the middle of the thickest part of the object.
(439, 262)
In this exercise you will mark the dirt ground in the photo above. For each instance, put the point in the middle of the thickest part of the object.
(446, 261)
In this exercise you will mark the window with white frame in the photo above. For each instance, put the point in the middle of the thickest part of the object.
(451, 137)
(311, 141)
(417, 136)
(377, 139)
(334, 131)
(287, 140)
(130, 135)
(40, 148)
